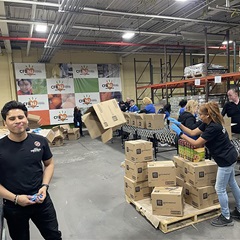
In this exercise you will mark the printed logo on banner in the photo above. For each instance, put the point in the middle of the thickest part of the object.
(87, 100)
(84, 70)
(61, 116)
(110, 85)
(60, 86)
(29, 70)
(33, 103)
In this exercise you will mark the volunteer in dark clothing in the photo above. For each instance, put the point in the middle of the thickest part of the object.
(215, 137)
(26, 167)
(77, 119)
(232, 109)
(188, 117)
(182, 105)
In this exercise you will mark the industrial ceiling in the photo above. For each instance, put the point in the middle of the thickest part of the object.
(98, 25)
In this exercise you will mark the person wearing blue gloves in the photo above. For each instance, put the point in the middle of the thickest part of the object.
(215, 137)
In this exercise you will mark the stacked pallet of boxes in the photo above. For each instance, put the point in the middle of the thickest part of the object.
(145, 178)
(137, 155)
(196, 175)
(167, 198)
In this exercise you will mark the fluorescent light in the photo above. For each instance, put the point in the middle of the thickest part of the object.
(128, 35)
(181, 0)
(225, 42)
(41, 28)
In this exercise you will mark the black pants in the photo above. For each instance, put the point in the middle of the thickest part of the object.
(43, 216)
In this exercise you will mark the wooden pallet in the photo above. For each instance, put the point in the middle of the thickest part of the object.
(168, 224)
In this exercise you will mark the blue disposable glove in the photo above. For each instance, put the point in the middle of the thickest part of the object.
(176, 129)
(173, 120)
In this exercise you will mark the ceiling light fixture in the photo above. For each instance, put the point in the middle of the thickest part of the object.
(225, 42)
(128, 35)
(41, 28)
(181, 0)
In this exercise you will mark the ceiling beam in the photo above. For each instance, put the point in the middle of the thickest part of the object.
(33, 14)
(142, 15)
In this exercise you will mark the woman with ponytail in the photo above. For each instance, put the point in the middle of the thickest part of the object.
(215, 137)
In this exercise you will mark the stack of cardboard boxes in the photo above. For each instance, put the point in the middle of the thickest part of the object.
(197, 179)
(167, 198)
(137, 154)
(142, 175)
(169, 183)
(57, 134)
(148, 121)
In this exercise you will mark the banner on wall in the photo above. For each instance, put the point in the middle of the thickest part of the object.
(53, 99)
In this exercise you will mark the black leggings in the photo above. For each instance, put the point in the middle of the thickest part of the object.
(43, 216)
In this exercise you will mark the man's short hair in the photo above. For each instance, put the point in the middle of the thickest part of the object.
(13, 105)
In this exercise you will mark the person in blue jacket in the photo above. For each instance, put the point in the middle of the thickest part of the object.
(149, 107)
(133, 107)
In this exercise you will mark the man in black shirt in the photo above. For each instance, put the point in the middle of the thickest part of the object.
(26, 168)
(232, 109)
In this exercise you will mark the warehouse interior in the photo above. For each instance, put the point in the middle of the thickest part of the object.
(168, 35)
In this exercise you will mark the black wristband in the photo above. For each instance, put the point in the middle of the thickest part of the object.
(45, 185)
(180, 135)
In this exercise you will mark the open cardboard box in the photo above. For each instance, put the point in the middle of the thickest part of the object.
(102, 118)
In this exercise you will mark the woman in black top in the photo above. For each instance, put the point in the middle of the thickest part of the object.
(188, 117)
(215, 137)
(77, 119)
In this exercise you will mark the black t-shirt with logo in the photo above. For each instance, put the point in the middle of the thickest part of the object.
(219, 144)
(21, 169)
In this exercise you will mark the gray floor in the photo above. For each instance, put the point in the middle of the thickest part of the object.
(87, 190)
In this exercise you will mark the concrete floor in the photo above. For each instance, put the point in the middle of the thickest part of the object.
(87, 190)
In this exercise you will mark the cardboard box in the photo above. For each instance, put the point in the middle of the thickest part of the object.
(56, 142)
(201, 197)
(200, 174)
(161, 174)
(1, 121)
(64, 127)
(3, 131)
(138, 151)
(34, 118)
(138, 172)
(180, 166)
(101, 118)
(227, 125)
(47, 133)
(73, 134)
(167, 201)
(136, 191)
(57, 132)
(127, 118)
(155, 121)
(133, 119)
(141, 123)
(179, 182)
